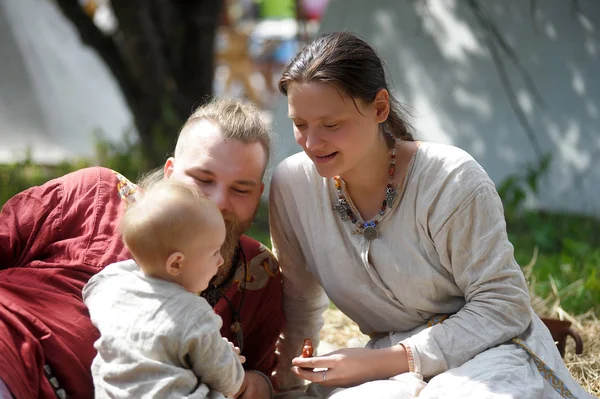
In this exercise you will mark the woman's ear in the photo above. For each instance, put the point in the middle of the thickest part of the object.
(382, 105)
(174, 264)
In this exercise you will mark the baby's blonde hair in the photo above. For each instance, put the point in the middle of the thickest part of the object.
(164, 220)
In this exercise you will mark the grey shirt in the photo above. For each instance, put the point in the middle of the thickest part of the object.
(156, 339)
(443, 249)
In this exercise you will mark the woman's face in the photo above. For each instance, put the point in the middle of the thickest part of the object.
(335, 132)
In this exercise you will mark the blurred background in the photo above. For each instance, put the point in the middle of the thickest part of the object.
(516, 83)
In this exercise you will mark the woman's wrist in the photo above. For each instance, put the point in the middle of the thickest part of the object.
(409, 356)
(392, 361)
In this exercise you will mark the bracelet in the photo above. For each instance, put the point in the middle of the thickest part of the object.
(271, 391)
(409, 356)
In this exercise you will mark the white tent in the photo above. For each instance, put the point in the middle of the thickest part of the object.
(439, 64)
(55, 93)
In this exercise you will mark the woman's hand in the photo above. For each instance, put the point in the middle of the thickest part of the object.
(352, 366)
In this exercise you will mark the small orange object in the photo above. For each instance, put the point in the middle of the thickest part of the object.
(307, 349)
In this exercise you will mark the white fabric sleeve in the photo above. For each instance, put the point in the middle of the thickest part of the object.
(472, 244)
(91, 289)
(210, 356)
(304, 300)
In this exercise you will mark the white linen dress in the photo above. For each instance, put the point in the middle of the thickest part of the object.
(442, 249)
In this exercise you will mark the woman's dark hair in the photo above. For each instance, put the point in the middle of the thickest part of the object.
(348, 62)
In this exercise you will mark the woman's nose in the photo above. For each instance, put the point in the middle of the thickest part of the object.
(313, 140)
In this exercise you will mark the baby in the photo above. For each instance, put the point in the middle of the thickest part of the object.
(158, 338)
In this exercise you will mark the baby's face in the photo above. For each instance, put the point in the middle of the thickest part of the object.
(203, 259)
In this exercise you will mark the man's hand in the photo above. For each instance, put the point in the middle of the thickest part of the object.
(255, 386)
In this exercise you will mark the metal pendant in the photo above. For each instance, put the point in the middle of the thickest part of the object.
(342, 208)
(390, 196)
(212, 295)
(370, 233)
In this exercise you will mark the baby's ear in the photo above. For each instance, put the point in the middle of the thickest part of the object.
(175, 263)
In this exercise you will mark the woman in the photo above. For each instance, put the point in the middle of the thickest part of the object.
(406, 238)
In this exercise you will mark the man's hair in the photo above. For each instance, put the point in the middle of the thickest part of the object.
(164, 219)
(237, 120)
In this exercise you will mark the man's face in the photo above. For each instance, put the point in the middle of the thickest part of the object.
(228, 172)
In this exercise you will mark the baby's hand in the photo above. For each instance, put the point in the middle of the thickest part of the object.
(236, 350)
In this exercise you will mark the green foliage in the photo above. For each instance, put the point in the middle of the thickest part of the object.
(569, 245)
(125, 157)
(514, 189)
(20, 176)
(260, 228)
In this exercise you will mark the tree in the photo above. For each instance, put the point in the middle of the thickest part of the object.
(162, 56)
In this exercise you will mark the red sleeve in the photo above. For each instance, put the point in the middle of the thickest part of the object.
(29, 221)
(69, 222)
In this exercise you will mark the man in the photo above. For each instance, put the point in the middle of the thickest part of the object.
(55, 237)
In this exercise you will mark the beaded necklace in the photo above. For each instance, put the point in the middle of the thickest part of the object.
(367, 229)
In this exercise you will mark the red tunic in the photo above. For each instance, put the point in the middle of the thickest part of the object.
(53, 238)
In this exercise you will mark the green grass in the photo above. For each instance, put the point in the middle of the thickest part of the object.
(569, 251)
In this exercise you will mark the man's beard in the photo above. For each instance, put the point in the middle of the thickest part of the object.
(234, 229)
